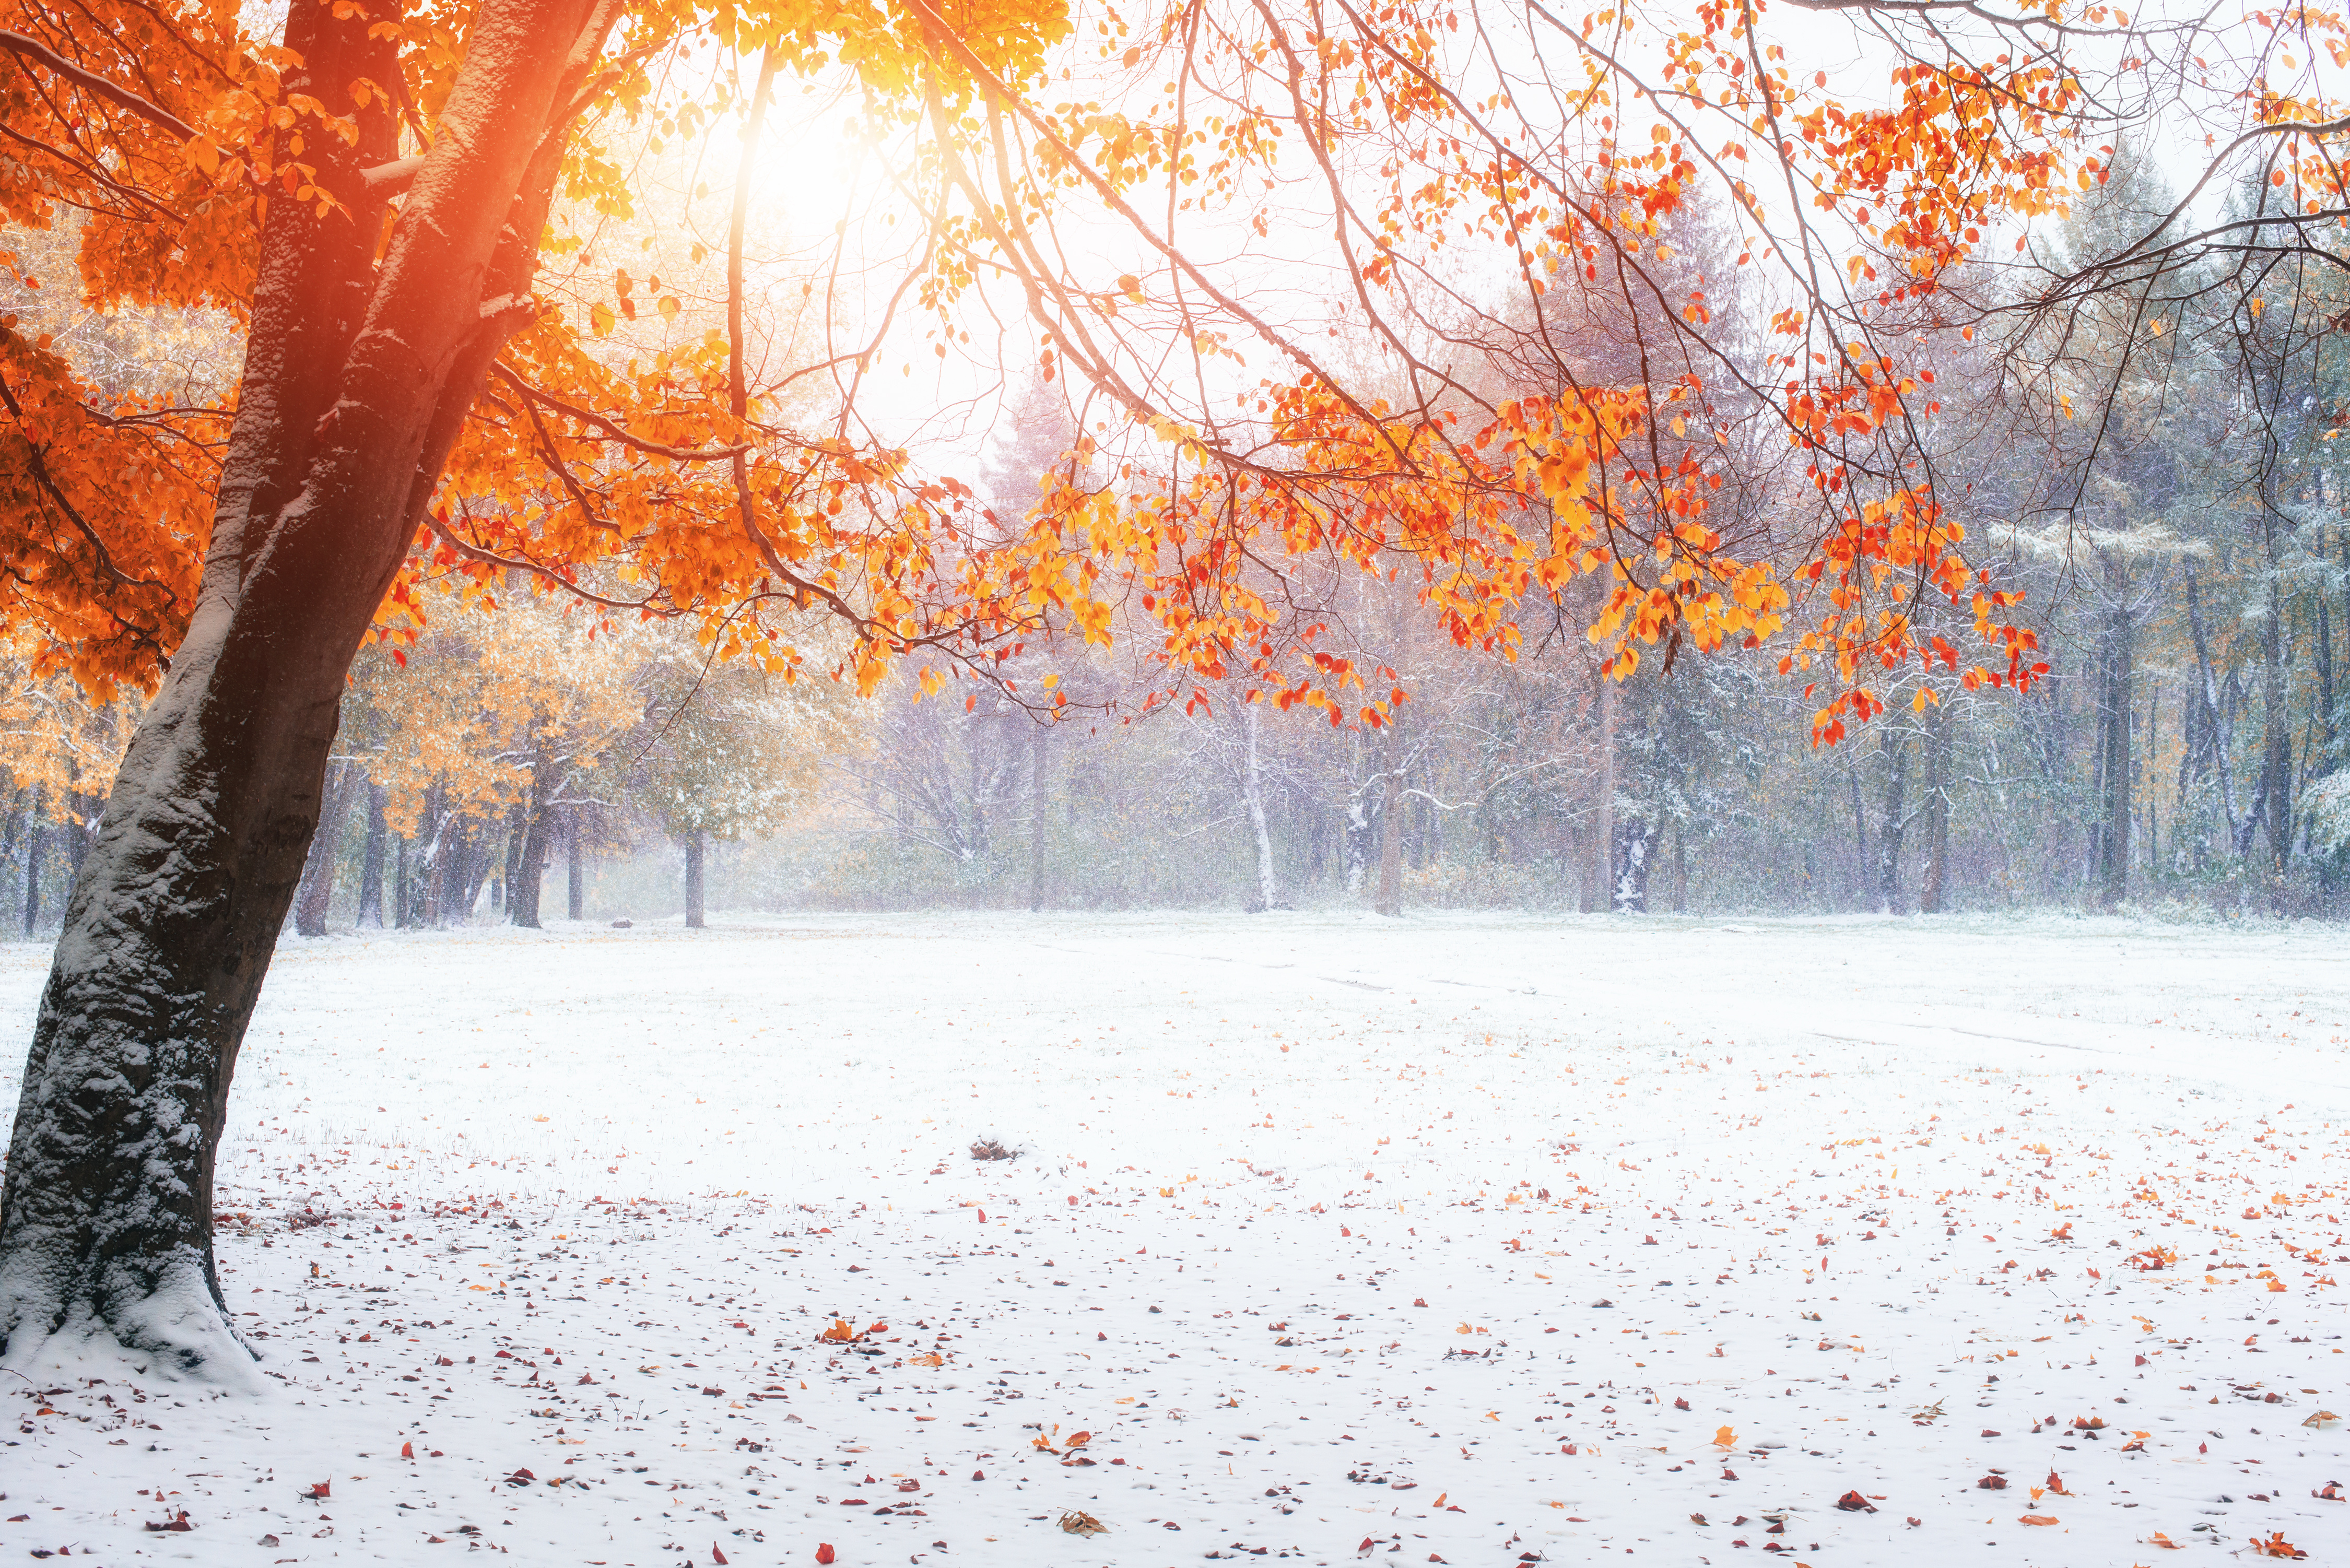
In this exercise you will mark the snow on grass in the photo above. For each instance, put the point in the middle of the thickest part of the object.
(1478, 1240)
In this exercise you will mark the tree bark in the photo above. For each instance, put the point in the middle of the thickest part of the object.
(317, 891)
(696, 844)
(357, 378)
(371, 861)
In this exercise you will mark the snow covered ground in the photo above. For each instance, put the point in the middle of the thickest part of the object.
(1458, 1240)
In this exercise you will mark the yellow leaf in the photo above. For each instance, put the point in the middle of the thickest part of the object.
(1723, 1437)
(600, 318)
(670, 307)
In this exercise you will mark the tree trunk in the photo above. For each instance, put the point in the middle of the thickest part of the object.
(1680, 869)
(36, 833)
(1895, 825)
(2116, 710)
(1355, 847)
(1938, 810)
(527, 880)
(401, 916)
(359, 373)
(1860, 870)
(318, 890)
(1268, 889)
(1603, 838)
(2276, 728)
(696, 844)
(575, 886)
(1037, 819)
(1390, 896)
(371, 862)
(1636, 847)
(2216, 727)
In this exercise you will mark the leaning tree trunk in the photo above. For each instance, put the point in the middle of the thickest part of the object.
(359, 374)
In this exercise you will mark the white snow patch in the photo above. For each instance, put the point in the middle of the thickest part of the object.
(1855, 1190)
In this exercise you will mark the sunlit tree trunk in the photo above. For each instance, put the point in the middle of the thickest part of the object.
(360, 367)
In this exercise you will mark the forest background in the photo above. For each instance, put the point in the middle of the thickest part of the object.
(2184, 754)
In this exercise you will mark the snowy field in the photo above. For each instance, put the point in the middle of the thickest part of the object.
(1476, 1241)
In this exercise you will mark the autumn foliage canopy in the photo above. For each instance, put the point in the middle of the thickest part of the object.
(1627, 314)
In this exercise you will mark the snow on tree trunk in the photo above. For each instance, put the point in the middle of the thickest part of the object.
(36, 835)
(1036, 818)
(359, 373)
(1268, 888)
(575, 886)
(371, 861)
(1390, 899)
(1895, 824)
(696, 844)
(1603, 837)
(1931, 890)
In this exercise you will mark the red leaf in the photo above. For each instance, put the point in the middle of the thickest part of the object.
(824, 1553)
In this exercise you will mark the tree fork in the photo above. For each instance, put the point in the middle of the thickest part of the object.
(356, 380)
